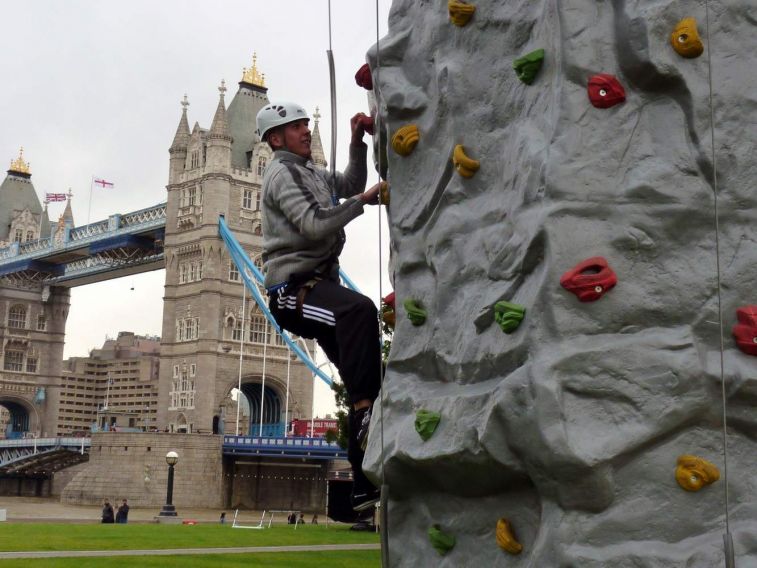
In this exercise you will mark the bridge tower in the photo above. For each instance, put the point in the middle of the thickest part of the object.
(32, 316)
(212, 172)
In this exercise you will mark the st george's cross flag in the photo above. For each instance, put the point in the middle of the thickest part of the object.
(101, 183)
(50, 197)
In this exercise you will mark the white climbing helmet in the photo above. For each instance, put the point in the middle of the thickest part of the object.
(278, 114)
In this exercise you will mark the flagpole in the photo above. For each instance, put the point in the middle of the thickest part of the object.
(89, 209)
(40, 218)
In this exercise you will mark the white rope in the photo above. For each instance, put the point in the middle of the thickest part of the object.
(262, 388)
(241, 352)
(286, 404)
(728, 541)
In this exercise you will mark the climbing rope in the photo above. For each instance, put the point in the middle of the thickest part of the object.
(727, 538)
(384, 510)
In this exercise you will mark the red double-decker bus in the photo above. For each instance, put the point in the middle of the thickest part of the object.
(320, 427)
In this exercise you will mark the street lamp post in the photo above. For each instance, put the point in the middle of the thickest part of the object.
(168, 509)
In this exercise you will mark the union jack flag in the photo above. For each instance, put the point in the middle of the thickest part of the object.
(50, 197)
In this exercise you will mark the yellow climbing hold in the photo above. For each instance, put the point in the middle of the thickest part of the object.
(405, 139)
(693, 473)
(464, 165)
(506, 539)
(384, 193)
(460, 12)
(685, 39)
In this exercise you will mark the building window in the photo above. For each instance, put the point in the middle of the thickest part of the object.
(187, 329)
(19, 235)
(233, 272)
(247, 196)
(261, 165)
(258, 327)
(191, 196)
(17, 317)
(29, 235)
(236, 331)
(14, 361)
(31, 364)
(257, 201)
(41, 322)
(182, 393)
(190, 271)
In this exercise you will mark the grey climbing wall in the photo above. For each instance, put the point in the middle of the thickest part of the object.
(569, 427)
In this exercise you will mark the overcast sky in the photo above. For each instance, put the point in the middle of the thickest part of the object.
(92, 88)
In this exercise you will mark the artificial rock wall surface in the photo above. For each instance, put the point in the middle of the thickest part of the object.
(570, 427)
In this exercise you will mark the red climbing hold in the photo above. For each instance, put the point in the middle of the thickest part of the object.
(364, 78)
(745, 332)
(590, 279)
(367, 123)
(389, 301)
(605, 91)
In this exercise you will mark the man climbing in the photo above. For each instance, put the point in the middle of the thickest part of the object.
(303, 236)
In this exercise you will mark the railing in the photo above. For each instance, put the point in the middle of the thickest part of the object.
(34, 246)
(315, 448)
(144, 216)
(116, 224)
(91, 230)
(67, 442)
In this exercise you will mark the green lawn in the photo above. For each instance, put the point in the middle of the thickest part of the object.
(43, 536)
(347, 559)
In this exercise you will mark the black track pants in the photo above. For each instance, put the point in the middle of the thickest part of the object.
(345, 324)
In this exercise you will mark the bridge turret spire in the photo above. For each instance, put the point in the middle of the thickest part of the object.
(220, 126)
(68, 214)
(316, 146)
(181, 139)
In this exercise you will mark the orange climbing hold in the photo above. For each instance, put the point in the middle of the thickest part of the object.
(693, 473)
(685, 39)
(506, 538)
(405, 139)
(460, 12)
(465, 166)
(384, 193)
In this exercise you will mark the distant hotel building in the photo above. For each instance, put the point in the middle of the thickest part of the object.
(116, 387)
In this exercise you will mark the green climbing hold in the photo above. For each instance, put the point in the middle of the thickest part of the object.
(528, 66)
(426, 422)
(415, 313)
(508, 315)
(441, 541)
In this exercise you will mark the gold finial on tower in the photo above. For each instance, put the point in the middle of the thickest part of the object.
(18, 165)
(252, 75)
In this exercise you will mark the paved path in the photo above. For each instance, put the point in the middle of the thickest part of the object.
(183, 551)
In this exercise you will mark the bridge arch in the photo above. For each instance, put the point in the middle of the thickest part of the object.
(22, 417)
(273, 405)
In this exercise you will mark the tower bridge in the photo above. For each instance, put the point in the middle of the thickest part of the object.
(212, 172)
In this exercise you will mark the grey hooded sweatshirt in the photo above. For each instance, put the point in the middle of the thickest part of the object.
(303, 230)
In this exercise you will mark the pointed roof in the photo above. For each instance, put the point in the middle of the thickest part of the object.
(68, 214)
(16, 194)
(316, 147)
(181, 139)
(220, 127)
(242, 113)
